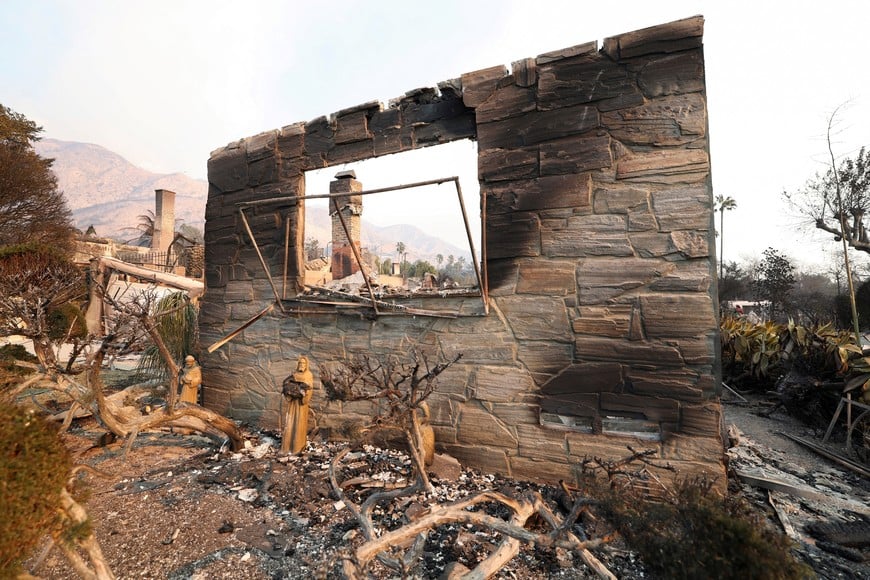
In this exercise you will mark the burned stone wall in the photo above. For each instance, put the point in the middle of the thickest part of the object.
(600, 326)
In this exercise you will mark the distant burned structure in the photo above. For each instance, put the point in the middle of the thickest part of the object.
(595, 324)
(346, 215)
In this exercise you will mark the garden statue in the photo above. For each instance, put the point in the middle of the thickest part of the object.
(428, 434)
(190, 381)
(297, 391)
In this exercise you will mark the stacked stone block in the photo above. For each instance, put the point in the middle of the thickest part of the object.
(602, 327)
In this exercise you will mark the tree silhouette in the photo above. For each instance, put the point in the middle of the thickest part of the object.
(32, 209)
(723, 204)
(774, 279)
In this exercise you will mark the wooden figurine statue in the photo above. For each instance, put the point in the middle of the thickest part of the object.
(297, 391)
(428, 434)
(190, 381)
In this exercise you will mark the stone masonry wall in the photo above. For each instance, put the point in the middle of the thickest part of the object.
(602, 328)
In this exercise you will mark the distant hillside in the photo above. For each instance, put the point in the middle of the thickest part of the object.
(382, 240)
(105, 190)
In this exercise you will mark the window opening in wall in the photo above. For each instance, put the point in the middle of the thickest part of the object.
(411, 220)
(606, 425)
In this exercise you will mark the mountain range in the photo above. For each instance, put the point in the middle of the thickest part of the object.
(106, 191)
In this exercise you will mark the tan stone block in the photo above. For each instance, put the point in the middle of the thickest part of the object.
(551, 192)
(679, 447)
(680, 384)
(642, 221)
(545, 126)
(544, 358)
(570, 52)
(704, 419)
(601, 279)
(548, 277)
(671, 37)
(576, 154)
(676, 120)
(454, 381)
(473, 350)
(620, 198)
(611, 320)
(501, 383)
(662, 166)
(672, 74)
(228, 169)
(477, 426)
(547, 471)
(442, 408)
(677, 316)
(513, 235)
(588, 235)
(444, 435)
(540, 443)
(489, 325)
(652, 244)
(701, 350)
(352, 127)
(587, 79)
(483, 458)
(536, 318)
(607, 446)
(692, 244)
(632, 353)
(685, 276)
(516, 413)
(573, 405)
(350, 152)
(238, 291)
(504, 102)
(505, 164)
(525, 72)
(477, 86)
(587, 377)
(261, 146)
(653, 408)
(291, 141)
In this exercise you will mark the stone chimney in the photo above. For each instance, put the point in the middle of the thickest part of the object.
(350, 206)
(164, 220)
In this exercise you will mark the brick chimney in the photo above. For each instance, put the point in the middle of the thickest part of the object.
(164, 220)
(350, 207)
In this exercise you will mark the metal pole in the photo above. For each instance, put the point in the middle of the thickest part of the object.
(262, 260)
(355, 254)
(470, 243)
(286, 255)
(286, 198)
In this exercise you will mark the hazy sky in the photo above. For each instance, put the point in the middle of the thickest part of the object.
(164, 83)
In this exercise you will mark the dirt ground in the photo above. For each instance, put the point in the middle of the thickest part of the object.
(178, 506)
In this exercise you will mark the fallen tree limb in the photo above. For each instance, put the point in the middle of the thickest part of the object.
(413, 533)
(94, 566)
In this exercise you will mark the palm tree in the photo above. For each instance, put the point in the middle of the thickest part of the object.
(723, 204)
(145, 227)
(400, 250)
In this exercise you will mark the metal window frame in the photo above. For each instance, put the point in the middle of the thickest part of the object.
(372, 301)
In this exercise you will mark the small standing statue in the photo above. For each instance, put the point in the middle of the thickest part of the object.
(427, 433)
(190, 381)
(297, 391)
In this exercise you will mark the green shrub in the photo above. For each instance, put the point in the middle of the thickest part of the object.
(700, 535)
(66, 319)
(755, 355)
(34, 467)
(177, 325)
